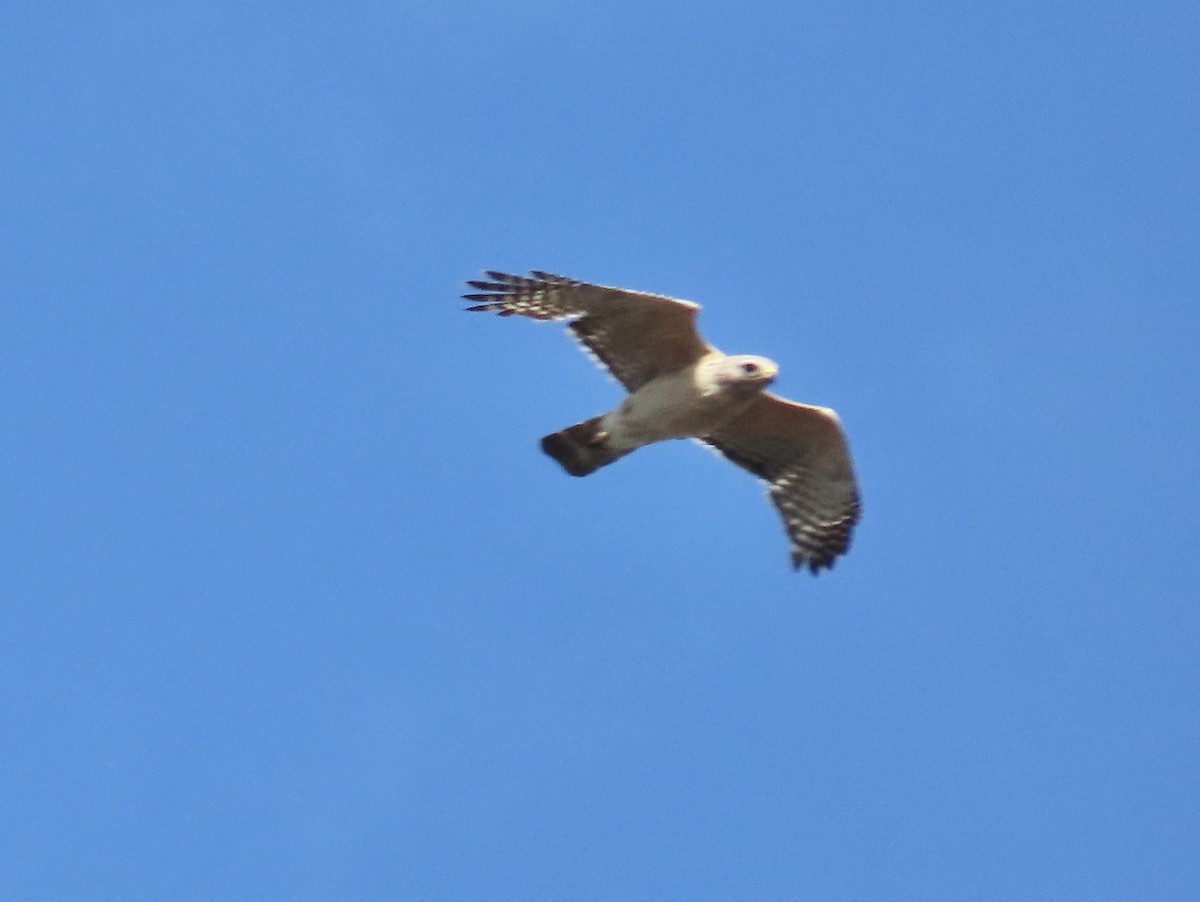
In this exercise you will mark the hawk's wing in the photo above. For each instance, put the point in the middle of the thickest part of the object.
(801, 452)
(637, 336)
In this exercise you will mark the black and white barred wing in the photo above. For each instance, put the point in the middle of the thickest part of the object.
(636, 336)
(802, 454)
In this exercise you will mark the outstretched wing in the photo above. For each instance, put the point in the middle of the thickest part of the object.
(802, 454)
(636, 336)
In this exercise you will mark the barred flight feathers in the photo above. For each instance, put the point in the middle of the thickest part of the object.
(801, 453)
(636, 336)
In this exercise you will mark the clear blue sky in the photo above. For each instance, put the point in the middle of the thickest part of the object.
(294, 608)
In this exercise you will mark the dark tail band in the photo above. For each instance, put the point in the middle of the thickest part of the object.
(581, 449)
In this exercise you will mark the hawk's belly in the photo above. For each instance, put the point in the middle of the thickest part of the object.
(672, 406)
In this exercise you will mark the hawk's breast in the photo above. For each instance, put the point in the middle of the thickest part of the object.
(675, 405)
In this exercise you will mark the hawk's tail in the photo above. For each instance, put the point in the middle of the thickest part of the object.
(581, 448)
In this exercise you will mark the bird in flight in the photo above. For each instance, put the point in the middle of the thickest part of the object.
(682, 387)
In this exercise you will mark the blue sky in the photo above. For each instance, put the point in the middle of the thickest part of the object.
(293, 606)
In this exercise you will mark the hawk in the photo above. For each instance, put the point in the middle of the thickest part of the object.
(682, 387)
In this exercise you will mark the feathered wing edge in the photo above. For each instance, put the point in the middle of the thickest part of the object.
(634, 335)
(801, 453)
(502, 294)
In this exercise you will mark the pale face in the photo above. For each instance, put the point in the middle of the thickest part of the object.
(746, 372)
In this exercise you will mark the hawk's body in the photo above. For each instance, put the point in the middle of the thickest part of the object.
(683, 404)
(682, 387)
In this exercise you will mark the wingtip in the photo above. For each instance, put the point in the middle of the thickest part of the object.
(500, 280)
(800, 561)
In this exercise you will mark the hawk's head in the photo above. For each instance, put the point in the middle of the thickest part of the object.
(744, 373)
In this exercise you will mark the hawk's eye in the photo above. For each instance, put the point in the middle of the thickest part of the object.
(750, 368)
